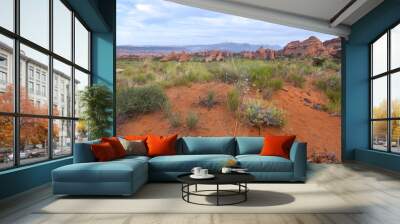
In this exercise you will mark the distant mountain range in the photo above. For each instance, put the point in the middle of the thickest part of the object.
(231, 47)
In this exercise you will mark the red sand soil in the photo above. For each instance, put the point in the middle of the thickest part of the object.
(318, 128)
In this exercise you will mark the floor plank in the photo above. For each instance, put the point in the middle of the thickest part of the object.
(377, 190)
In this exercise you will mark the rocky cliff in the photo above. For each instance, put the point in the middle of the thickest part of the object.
(312, 47)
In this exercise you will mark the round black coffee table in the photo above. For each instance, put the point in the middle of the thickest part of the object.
(238, 179)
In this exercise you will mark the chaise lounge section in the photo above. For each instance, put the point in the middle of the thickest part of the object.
(125, 176)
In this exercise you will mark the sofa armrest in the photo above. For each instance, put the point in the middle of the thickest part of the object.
(298, 155)
(83, 152)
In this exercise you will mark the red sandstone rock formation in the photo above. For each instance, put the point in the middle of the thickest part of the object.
(312, 47)
(184, 57)
(334, 47)
(248, 55)
(170, 57)
(265, 54)
(214, 55)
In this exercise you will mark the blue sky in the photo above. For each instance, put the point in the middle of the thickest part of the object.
(159, 22)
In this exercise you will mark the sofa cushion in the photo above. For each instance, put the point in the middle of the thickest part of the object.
(112, 171)
(257, 163)
(275, 145)
(161, 145)
(133, 158)
(208, 145)
(185, 163)
(249, 145)
(83, 153)
(116, 145)
(103, 152)
(134, 147)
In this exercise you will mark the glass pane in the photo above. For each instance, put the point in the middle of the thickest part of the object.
(7, 14)
(81, 45)
(62, 89)
(6, 142)
(62, 138)
(81, 131)
(395, 47)
(34, 97)
(62, 29)
(379, 135)
(395, 94)
(35, 21)
(33, 139)
(395, 136)
(379, 55)
(379, 97)
(81, 82)
(6, 74)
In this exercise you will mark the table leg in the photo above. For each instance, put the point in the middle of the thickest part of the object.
(188, 190)
(182, 190)
(245, 193)
(195, 188)
(217, 194)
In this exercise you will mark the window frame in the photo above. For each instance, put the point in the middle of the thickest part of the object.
(16, 114)
(388, 74)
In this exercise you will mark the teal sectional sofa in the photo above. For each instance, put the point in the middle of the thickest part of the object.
(125, 176)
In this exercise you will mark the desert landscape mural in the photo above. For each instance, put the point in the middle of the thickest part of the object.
(234, 89)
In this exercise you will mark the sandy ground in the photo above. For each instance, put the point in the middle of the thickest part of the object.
(319, 129)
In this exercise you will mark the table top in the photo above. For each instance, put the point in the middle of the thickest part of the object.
(220, 178)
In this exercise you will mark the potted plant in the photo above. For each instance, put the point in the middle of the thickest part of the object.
(96, 103)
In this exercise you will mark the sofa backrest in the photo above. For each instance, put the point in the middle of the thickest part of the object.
(207, 145)
(83, 152)
(249, 145)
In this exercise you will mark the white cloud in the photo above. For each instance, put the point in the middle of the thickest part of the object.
(157, 22)
(144, 8)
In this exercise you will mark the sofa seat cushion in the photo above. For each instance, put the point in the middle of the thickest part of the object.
(112, 171)
(257, 163)
(185, 163)
(133, 157)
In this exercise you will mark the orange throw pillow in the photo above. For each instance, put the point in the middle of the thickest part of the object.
(161, 145)
(103, 152)
(116, 145)
(277, 145)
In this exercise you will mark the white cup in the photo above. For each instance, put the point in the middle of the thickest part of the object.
(196, 171)
(226, 170)
(203, 172)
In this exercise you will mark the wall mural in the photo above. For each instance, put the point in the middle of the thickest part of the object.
(229, 77)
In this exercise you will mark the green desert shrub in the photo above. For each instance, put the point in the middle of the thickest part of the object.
(263, 77)
(297, 80)
(198, 72)
(318, 61)
(143, 78)
(275, 84)
(209, 100)
(191, 120)
(233, 99)
(143, 99)
(331, 86)
(175, 120)
(224, 71)
(260, 114)
(167, 109)
(332, 64)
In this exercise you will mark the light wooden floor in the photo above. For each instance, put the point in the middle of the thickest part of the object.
(379, 189)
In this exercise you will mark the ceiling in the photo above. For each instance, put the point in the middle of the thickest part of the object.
(333, 17)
